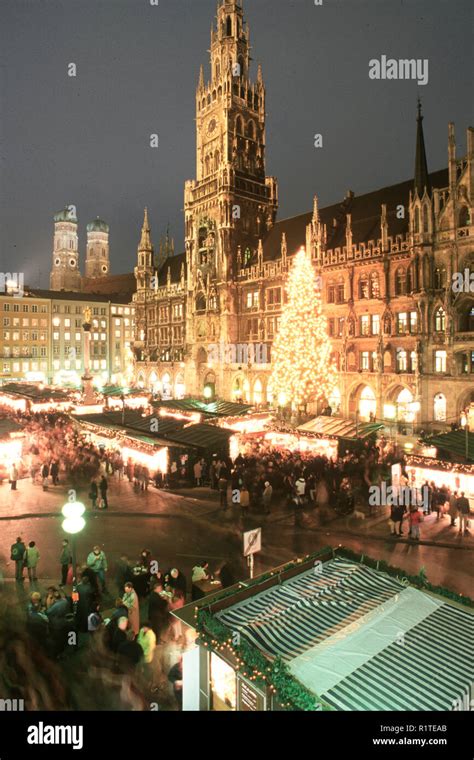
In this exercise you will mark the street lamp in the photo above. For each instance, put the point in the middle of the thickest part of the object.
(73, 524)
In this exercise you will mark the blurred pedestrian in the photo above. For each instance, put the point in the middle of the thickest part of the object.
(130, 600)
(267, 497)
(97, 561)
(93, 493)
(65, 560)
(103, 488)
(13, 476)
(464, 512)
(17, 554)
(414, 519)
(31, 557)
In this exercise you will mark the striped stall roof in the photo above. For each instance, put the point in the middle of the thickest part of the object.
(334, 627)
(432, 669)
(286, 620)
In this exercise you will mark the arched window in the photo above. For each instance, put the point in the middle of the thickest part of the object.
(439, 408)
(367, 404)
(374, 285)
(214, 94)
(216, 160)
(200, 302)
(206, 164)
(416, 225)
(464, 217)
(364, 291)
(426, 218)
(440, 320)
(229, 27)
(241, 63)
(251, 130)
(402, 365)
(409, 280)
(218, 70)
(400, 281)
(239, 125)
(209, 99)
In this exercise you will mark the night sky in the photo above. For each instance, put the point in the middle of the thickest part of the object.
(85, 140)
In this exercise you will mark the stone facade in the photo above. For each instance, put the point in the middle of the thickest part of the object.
(65, 272)
(403, 336)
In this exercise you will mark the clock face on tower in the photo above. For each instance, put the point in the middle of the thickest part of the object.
(212, 126)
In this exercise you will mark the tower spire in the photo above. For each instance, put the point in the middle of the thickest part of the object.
(145, 240)
(422, 179)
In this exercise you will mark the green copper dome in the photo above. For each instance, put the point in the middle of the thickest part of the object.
(98, 225)
(67, 214)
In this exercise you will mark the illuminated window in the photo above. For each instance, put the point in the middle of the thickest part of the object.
(440, 361)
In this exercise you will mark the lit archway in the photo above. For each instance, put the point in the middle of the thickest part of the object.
(179, 387)
(153, 383)
(367, 404)
(405, 406)
(246, 391)
(334, 401)
(257, 392)
(166, 385)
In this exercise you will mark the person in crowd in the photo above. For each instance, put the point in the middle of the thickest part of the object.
(31, 558)
(226, 576)
(88, 598)
(464, 512)
(177, 580)
(65, 560)
(57, 606)
(93, 493)
(17, 554)
(129, 652)
(13, 476)
(94, 620)
(300, 490)
(200, 572)
(147, 640)
(267, 497)
(397, 512)
(415, 517)
(213, 475)
(120, 633)
(175, 677)
(103, 488)
(158, 611)
(453, 508)
(54, 472)
(45, 475)
(197, 472)
(97, 561)
(244, 501)
(130, 600)
(223, 485)
(37, 623)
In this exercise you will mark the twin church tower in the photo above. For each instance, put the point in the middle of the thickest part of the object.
(65, 272)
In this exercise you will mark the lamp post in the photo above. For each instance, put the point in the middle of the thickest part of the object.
(72, 524)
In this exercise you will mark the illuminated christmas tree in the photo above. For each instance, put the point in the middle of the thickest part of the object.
(303, 370)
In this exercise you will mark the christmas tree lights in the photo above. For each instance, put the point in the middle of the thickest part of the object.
(303, 369)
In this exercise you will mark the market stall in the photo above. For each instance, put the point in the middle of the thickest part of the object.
(27, 397)
(287, 641)
(457, 477)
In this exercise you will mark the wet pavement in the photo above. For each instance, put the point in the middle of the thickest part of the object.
(183, 528)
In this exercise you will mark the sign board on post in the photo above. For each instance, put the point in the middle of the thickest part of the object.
(252, 542)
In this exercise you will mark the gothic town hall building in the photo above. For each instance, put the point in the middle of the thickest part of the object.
(403, 337)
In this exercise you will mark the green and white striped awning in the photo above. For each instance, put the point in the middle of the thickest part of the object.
(361, 639)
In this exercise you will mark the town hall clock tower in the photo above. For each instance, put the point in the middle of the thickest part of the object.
(231, 205)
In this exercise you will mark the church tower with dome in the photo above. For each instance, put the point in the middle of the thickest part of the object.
(97, 253)
(65, 274)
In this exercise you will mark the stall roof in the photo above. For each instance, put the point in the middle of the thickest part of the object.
(453, 443)
(33, 392)
(117, 390)
(203, 436)
(8, 426)
(336, 427)
(339, 629)
(213, 409)
(170, 431)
